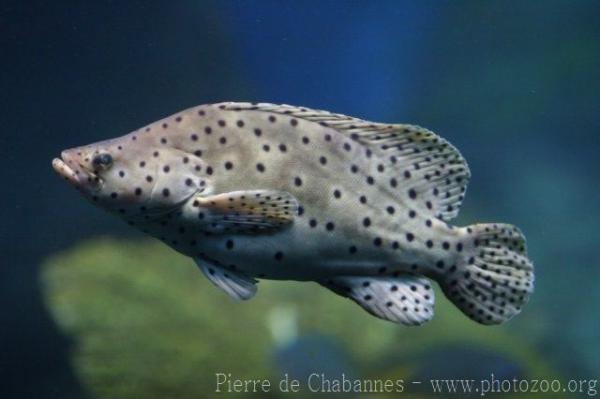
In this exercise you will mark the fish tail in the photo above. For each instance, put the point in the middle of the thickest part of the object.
(493, 277)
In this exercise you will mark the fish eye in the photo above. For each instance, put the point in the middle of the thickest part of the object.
(102, 160)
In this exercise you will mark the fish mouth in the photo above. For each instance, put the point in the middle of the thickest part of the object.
(74, 173)
(65, 171)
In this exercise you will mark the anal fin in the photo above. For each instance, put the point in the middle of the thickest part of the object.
(406, 299)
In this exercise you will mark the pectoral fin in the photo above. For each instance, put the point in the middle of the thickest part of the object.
(236, 284)
(250, 211)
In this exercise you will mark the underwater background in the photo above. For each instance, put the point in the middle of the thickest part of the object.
(93, 309)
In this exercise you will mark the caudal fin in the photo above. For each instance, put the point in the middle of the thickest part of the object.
(494, 278)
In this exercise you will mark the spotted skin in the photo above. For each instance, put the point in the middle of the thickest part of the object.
(286, 193)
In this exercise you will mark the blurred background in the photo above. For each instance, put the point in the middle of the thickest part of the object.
(91, 308)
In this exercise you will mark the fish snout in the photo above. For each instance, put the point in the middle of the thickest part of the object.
(68, 167)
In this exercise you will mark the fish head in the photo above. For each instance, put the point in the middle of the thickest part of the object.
(132, 177)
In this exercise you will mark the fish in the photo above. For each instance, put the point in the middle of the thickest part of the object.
(254, 191)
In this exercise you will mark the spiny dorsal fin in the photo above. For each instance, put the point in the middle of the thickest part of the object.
(415, 162)
(405, 299)
(249, 211)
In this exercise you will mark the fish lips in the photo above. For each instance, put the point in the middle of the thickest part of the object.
(69, 168)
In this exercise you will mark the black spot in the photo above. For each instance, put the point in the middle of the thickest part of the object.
(407, 174)
(459, 247)
(155, 154)
(337, 194)
(272, 119)
(412, 193)
(229, 244)
(347, 147)
(330, 226)
(209, 170)
(186, 160)
(366, 222)
(260, 167)
(257, 132)
(327, 137)
(312, 223)
(166, 192)
(354, 168)
(188, 182)
(293, 122)
(166, 168)
(367, 297)
(377, 242)
(113, 195)
(363, 199)
(352, 249)
(121, 173)
(370, 180)
(446, 245)
(223, 140)
(208, 130)
(228, 165)
(266, 148)
(222, 123)
(282, 148)
(142, 164)
(428, 223)
(429, 244)
(138, 191)
(410, 236)
(300, 211)
(298, 181)
(305, 140)
(149, 178)
(390, 210)
(440, 264)
(323, 160)
(412, 214)
(278, 255)
(240, 123)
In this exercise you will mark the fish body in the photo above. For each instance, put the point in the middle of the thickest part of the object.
(288, 193)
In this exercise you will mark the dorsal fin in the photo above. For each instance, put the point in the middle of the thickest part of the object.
(417, 163)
